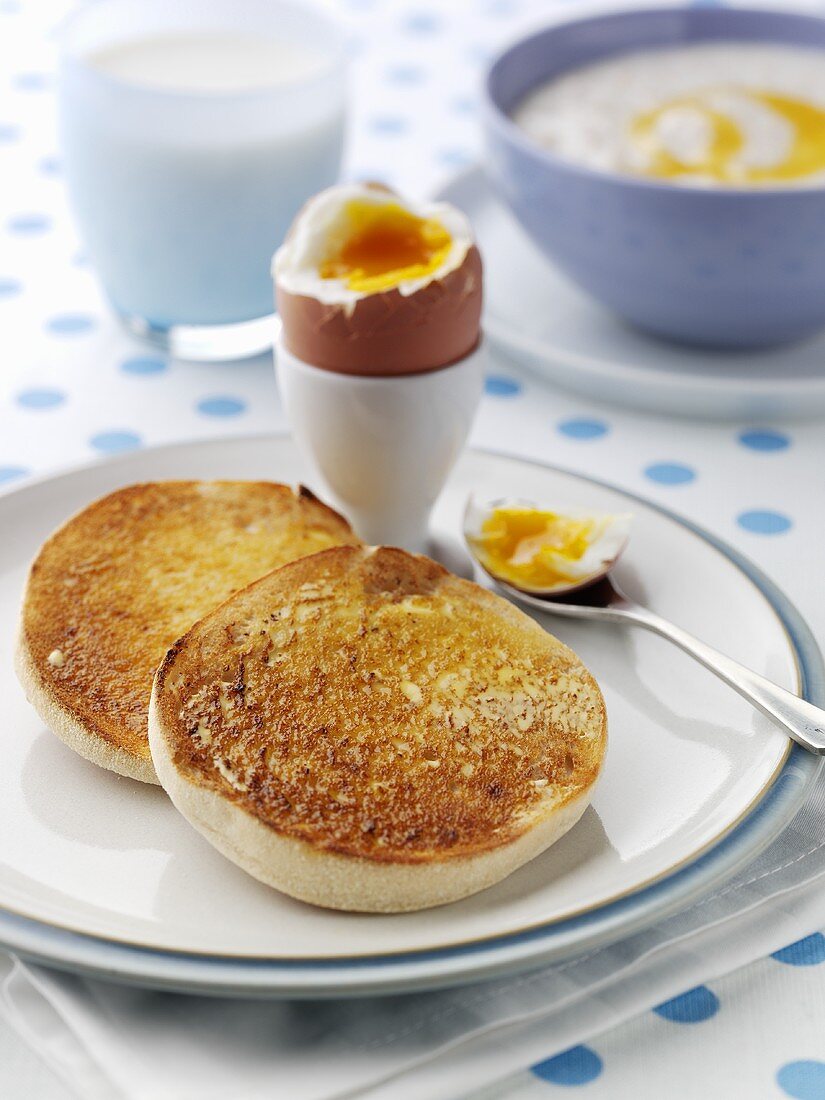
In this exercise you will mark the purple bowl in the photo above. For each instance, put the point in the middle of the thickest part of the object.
(725, 267)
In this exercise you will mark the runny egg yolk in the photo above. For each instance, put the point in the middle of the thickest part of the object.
(721, 160)
(529, 547)
(384, 245)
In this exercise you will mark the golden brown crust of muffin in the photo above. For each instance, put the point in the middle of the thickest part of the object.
(368, 706)
(114, 587)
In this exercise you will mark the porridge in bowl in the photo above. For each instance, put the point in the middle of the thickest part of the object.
(732, 114)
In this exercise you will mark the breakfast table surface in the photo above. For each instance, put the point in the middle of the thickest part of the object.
(75, 388)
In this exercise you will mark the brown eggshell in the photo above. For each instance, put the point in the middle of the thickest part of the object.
(389, 333)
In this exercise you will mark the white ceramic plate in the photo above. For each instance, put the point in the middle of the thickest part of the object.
(536, 315)
(100, 873)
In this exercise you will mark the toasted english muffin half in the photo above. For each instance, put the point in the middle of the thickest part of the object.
(113, 588)
(365, 731)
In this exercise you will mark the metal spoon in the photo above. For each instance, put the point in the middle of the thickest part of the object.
(605, 602)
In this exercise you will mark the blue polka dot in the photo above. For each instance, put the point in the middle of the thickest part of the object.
(50, 166)
(70, 324)
(454, 158)
(807, 952)
(32, 82)
(142, 364)
(500, 8)
(764, 523)
(221, 406)
(763, 439)
(576, 1066)
(40, 399)
(583, 429)
(496, 385)
(9, 7)
(670, 473)
(11, 473)
(479, 54)
(464, 105)
(28, 223)
(388, 124)
(803, 1080)
(9, 287)
(405, 74)
(112, 443)
(422, 22)
(8, 133)
(690, 1008)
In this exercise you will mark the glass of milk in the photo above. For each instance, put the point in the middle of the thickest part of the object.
(192, 132)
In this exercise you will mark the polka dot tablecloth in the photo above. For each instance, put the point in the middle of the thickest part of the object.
(73, 387)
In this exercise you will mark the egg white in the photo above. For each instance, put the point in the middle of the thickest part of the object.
(609, 538)
(323, 219)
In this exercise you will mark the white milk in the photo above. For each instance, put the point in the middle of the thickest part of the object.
(198, 63)
(188, 152)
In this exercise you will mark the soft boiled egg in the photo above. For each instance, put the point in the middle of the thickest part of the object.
(368, 283)
(541, 551)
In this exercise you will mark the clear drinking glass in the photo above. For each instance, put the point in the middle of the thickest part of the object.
(183, 192)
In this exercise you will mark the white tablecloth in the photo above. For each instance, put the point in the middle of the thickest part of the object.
(72, 386)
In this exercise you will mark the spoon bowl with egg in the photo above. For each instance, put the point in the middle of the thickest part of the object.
(559, 563)
(542, 552)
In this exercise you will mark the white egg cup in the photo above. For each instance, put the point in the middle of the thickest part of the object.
(382, 447)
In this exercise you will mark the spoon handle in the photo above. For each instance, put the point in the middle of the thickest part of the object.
(804, 722)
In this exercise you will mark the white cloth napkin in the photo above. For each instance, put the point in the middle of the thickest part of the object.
(114, 1043)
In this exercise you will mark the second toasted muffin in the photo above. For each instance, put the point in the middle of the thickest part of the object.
(113, 588)
(365, 731)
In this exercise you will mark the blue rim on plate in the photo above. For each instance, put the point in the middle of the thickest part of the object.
(486, 958)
